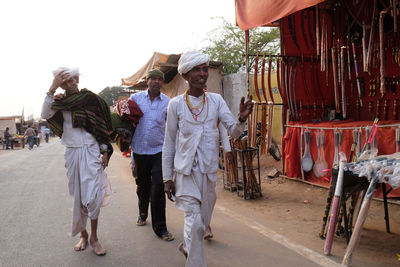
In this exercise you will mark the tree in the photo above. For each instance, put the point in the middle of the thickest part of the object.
(111, 94)
(228, 45)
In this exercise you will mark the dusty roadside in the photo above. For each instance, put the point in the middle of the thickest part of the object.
(282, 209)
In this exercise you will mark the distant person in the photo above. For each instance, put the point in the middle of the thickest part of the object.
(31, 134)
(82, 120)
(147, 143)
(7, 138)
(46, 132)
(191, 151)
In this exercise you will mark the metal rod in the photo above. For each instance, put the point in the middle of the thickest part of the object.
(247, 64)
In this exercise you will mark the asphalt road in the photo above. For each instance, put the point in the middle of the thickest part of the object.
(36, 213)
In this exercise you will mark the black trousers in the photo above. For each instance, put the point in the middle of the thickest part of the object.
(150, 189)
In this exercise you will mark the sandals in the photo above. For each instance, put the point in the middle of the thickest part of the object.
(167, 236)
(140, 222)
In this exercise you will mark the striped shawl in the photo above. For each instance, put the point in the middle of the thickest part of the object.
(89, 111)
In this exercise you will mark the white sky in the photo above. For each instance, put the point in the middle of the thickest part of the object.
(106, 40)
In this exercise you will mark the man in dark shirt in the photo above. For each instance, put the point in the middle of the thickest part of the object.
(7, 137)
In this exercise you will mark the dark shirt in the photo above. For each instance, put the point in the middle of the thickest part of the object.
(7, 135)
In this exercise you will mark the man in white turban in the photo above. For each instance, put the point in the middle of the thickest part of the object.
(191, 148)
(82, 120)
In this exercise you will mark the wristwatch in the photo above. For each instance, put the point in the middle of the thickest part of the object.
(241, 120)
(106, 148)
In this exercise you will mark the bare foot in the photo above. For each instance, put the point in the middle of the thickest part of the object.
(182, 250)
(81, 245)
(208, 235)
(97, 248)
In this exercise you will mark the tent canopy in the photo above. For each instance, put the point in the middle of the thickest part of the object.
(158, 60)
(166, 63)
(254, 13)
(173, 84)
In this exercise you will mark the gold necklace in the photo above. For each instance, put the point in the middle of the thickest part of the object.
(191, 108)
(197, 106)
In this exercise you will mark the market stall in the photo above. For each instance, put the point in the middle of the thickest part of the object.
(337, 72)
(338, 79)
(19, 141)
(348, 81)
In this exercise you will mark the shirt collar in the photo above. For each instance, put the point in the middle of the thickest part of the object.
(161, 96)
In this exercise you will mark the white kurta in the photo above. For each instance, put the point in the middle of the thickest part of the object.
(191, 150)
(88, 182)
(223, 135)
(185, 137)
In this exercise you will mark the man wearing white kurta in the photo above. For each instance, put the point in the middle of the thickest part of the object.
(191, 150)
(88, 183)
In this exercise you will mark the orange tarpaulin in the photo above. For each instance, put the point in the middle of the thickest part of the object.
(254, 13)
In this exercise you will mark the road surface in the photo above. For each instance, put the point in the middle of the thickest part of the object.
(36, 212)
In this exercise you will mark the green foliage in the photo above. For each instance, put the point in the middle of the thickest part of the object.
(111, 94)
(227, 44)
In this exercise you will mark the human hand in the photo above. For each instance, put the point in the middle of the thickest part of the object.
(229, 156)
(58, 96)
(134, 172)
(105, 159)
(58, 80)
(245, 108)
(169, 189)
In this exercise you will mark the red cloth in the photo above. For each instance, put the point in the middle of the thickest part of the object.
(129, 112)
(385, 139)
(127, 153)
(314, 89)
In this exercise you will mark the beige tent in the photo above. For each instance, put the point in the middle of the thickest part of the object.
(174, 83)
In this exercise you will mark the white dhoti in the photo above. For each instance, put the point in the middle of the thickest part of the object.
(195, 195)
(88, 184)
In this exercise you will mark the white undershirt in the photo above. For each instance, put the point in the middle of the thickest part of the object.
(71, 137)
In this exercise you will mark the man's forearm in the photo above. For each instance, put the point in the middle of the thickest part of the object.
(47, 112)
(167, 167)
(52, 90)
(237, 129)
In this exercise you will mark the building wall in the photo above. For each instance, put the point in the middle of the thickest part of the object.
(234, 88)
(7, 122)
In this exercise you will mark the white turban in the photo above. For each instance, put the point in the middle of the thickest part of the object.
(71, 71)
(191, 59)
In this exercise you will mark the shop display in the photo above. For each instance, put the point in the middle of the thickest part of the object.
(335, 206)
(338, 79)
(307, 161)
(381, 169)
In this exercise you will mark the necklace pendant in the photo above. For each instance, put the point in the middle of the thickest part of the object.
(195, 118)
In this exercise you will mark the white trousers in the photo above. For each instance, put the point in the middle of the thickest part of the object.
(88, 184)
(195, 195)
